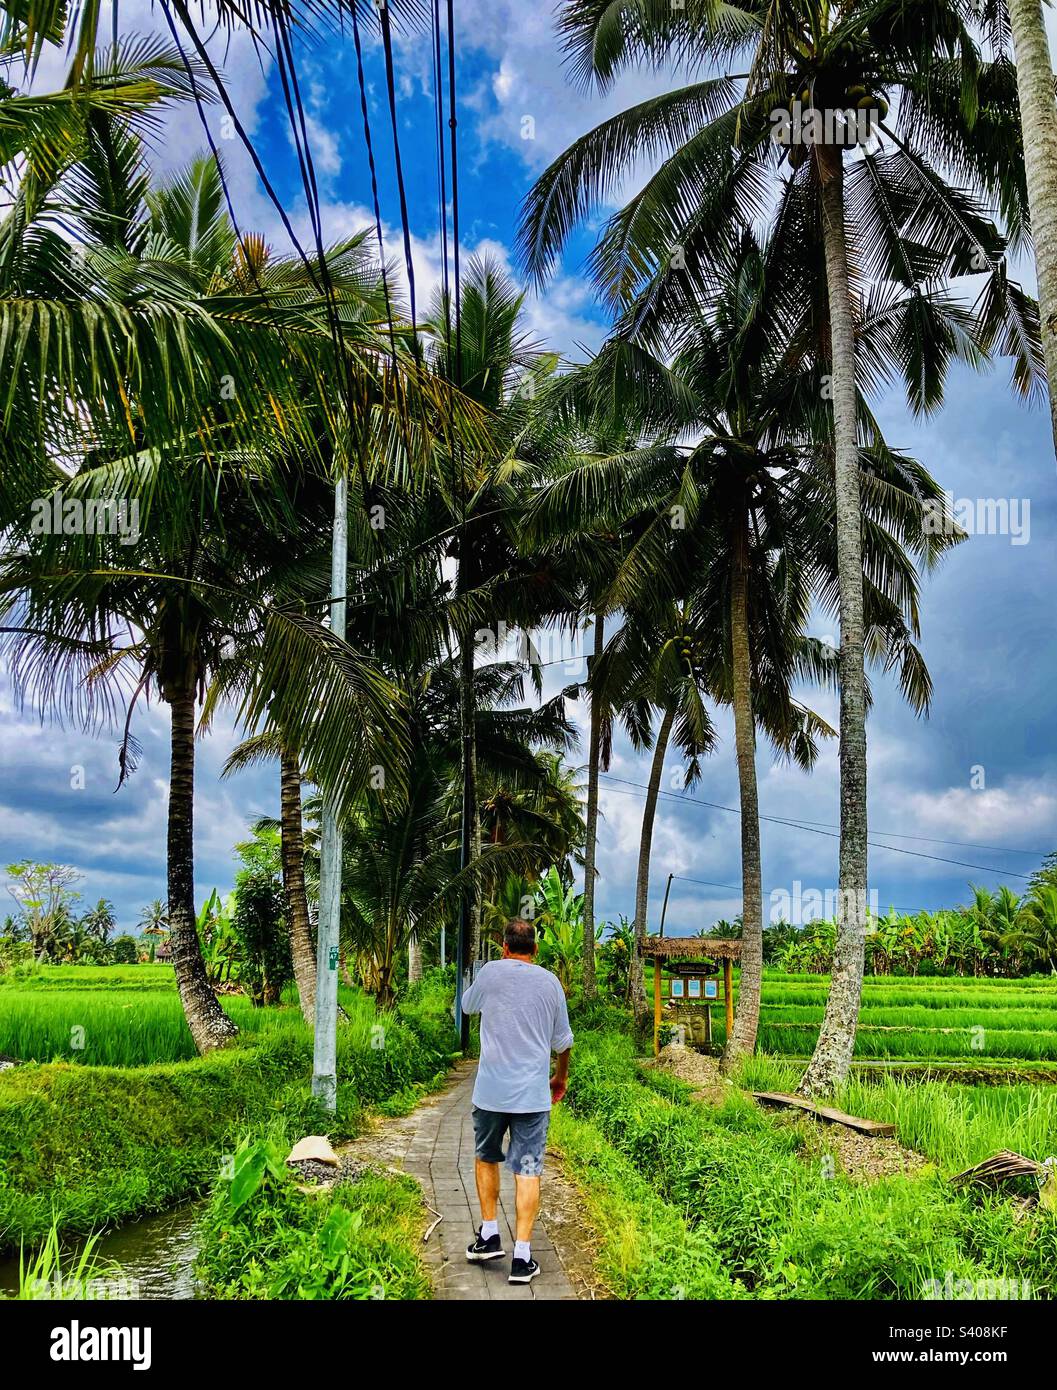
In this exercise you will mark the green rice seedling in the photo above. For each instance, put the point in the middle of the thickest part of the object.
(953, 1125)
(49, 1273)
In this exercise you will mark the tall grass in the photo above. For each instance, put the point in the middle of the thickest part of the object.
(123, 1026)
(89, 1145)
(785, 1225)
(953, 1125)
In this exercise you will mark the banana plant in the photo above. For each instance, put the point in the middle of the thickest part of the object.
(215, 925)
(560, 920)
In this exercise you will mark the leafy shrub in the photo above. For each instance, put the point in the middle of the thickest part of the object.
(123, 950)
(259, 921)
(262, 1237)
(645, 1249)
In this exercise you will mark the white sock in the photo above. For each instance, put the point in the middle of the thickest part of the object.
(522, 1250)
(489, 1229)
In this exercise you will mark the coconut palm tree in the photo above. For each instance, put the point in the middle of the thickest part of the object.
(655, 659)
(722, 165)
(481, 346)
(271, 747)
(742, 519)
(201, 579)
(1038, 120)
(154, 918)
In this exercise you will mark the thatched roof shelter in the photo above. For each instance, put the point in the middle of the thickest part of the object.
(691, 948)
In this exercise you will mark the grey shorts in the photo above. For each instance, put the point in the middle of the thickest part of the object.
(528, 1139)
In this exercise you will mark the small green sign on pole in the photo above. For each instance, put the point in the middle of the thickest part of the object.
(332, 959)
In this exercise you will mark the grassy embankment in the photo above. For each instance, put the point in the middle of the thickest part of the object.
(85, 1145)
(695, 1201)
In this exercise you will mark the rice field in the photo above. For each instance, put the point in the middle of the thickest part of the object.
(125, 1017)
(129, 1016)
(919, 1019)
(954, 1125)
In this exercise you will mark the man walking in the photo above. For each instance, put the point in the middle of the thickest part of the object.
(523, 1020)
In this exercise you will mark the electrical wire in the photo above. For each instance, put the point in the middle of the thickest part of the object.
(799, 825)
(390, 82)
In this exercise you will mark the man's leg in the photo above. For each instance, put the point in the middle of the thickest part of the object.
(528, 1143)
(526, 1205)
(488, 1130)
(487, 1176)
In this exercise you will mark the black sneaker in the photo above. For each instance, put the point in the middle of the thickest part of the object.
(523, 1271)
(490, 1249)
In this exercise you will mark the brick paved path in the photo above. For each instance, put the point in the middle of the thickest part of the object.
(440, 1156)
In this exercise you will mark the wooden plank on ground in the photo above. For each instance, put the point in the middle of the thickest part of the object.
(875, 1128)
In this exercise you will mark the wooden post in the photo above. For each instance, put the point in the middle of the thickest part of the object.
(728, 997)
(656, 1006)
(708, 1023)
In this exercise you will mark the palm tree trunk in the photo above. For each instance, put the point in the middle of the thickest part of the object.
(746, 1021)
(642, 882)
(1038, 122)
(831, 1061)
(593, 759)
(414, 961)
(302, 947)
(209, 1024)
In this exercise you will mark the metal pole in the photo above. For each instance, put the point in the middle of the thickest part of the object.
(325, 1052)
(463, 942)
(664, 909)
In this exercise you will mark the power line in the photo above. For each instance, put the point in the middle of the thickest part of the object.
(390, 82)
(934, 840)
(442, 190)
(357, 43)
(706, 883)
(830, 834)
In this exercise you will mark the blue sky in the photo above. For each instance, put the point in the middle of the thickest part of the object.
(979, 772)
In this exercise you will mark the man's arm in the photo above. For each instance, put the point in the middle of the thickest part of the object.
(473, 997)
(562, 1044)
(560, 1079)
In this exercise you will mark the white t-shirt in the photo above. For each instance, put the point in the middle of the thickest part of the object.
(523, 1020)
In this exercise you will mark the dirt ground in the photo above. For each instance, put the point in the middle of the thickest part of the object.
(858, 1156)
(565, 1217)
(697, 1069)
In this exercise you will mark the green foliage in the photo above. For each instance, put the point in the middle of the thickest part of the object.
(783, 1224)
(645, 1249)
(997, 934)
(124, 951)
(218, 939)
(92, 1145)
(259, 922)
(264, 1238)
(559, 920)
(613, 958)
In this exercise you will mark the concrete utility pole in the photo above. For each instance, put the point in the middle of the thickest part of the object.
(325, 1053)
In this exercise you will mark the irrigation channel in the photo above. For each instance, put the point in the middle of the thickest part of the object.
(155, 1254)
